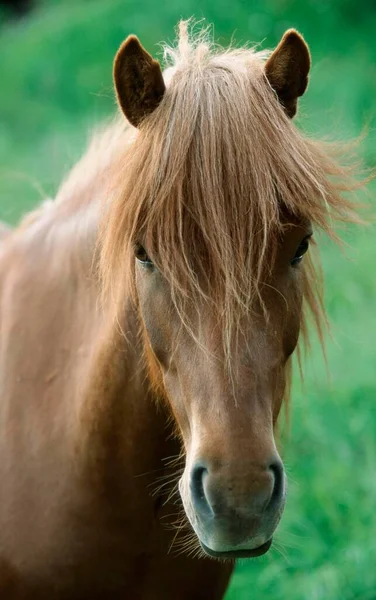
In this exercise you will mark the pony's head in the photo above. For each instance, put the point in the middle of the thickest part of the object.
(217, 198)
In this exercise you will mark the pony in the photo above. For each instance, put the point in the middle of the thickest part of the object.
(148, 317)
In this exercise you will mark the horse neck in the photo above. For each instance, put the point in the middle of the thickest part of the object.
(111, 410)
(122, 430)
(117, 413)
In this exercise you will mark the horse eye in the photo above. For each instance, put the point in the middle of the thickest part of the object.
(142, 256)
(301, 250)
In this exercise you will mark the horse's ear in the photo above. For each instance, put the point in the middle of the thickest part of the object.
(287, 70)
(138, 81)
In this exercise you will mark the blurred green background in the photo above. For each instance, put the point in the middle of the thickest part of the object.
(55, 87)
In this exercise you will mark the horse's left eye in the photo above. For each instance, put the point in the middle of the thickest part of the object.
(300, 252)
(142, 256)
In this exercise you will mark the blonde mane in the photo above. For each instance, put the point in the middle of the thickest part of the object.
(208, 181)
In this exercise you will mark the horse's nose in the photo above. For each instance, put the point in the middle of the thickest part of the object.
(276, 468)
(215, 493)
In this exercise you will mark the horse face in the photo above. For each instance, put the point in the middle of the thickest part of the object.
(233, 486)
(225, 407)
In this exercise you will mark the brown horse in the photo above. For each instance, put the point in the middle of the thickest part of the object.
(172, 365)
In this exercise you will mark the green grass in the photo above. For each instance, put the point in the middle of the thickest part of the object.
(55, 71)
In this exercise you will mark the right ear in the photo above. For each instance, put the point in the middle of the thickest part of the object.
(287, 70)
(138, 81)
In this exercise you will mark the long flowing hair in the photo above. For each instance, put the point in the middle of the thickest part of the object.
(208, 181)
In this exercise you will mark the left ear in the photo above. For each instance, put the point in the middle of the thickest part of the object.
(138, 81)
(287, 70)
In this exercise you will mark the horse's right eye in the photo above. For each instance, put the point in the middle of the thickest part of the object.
(142, 256)
(302, 249)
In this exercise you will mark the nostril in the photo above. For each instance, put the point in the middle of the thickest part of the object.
(198, 475)
(278, 488)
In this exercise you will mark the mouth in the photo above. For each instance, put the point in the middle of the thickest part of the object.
(234, 554)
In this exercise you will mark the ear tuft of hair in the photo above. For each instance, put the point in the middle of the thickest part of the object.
(287, 70)
(138, 81)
